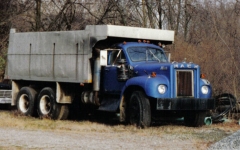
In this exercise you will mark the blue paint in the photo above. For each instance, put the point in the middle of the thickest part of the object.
(147, 58)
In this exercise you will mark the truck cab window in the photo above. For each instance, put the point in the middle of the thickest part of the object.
(138, 54)
(114, 56)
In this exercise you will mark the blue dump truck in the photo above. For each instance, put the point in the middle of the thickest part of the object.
(112, 68)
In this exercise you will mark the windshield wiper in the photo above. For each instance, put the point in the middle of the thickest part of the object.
(154, 56)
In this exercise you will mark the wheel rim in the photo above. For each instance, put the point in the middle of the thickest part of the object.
(134, 111)
(45, 104)
(24, 103)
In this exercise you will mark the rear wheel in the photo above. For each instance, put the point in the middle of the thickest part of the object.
(139, 110)
(48, 107)
(195, 119)
(26, 101)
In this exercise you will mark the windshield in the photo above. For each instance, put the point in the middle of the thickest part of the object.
(137, 54)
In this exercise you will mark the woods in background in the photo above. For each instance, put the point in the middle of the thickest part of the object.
(207, 31)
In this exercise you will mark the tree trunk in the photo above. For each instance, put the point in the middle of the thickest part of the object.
(144, 13)
(160, 14)
(178, 16)
(38, 15)
(150, 13)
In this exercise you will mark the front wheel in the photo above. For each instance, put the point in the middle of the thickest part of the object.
(195, 119)
(139, 110)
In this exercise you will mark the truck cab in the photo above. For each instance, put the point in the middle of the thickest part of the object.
(138, 73)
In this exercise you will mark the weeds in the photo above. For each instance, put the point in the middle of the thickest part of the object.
(203, 136)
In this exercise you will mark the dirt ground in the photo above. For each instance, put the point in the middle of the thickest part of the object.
(35, 139)
(19, 132)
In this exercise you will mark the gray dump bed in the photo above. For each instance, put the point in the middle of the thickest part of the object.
(63, 56)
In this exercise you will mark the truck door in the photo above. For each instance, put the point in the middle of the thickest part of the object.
(111, 84)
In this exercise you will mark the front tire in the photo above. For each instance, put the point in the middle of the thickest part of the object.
(139, 110)
(195, 119)
(26, 101)
(49, 108)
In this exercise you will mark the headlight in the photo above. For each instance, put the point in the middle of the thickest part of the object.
(162, 89)
(204, 89)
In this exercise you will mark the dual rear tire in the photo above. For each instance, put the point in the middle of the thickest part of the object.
(48, 107)
(26, 101)
(44, 104)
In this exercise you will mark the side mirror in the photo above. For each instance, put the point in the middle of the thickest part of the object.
(103, 57)
(169, 57)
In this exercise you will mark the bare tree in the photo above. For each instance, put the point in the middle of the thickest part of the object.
(38, 15)
(207, 32)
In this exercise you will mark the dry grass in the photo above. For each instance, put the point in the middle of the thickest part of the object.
(202, 137)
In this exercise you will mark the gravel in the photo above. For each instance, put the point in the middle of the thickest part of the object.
(231, 142)
(55, 140)
(37, 139)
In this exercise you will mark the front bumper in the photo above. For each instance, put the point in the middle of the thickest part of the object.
(185, 104)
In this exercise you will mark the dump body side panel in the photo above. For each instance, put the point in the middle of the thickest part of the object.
(50, 56)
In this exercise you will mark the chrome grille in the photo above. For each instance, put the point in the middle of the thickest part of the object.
(184, 81)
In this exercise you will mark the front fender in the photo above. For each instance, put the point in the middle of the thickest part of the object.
(149, 84)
